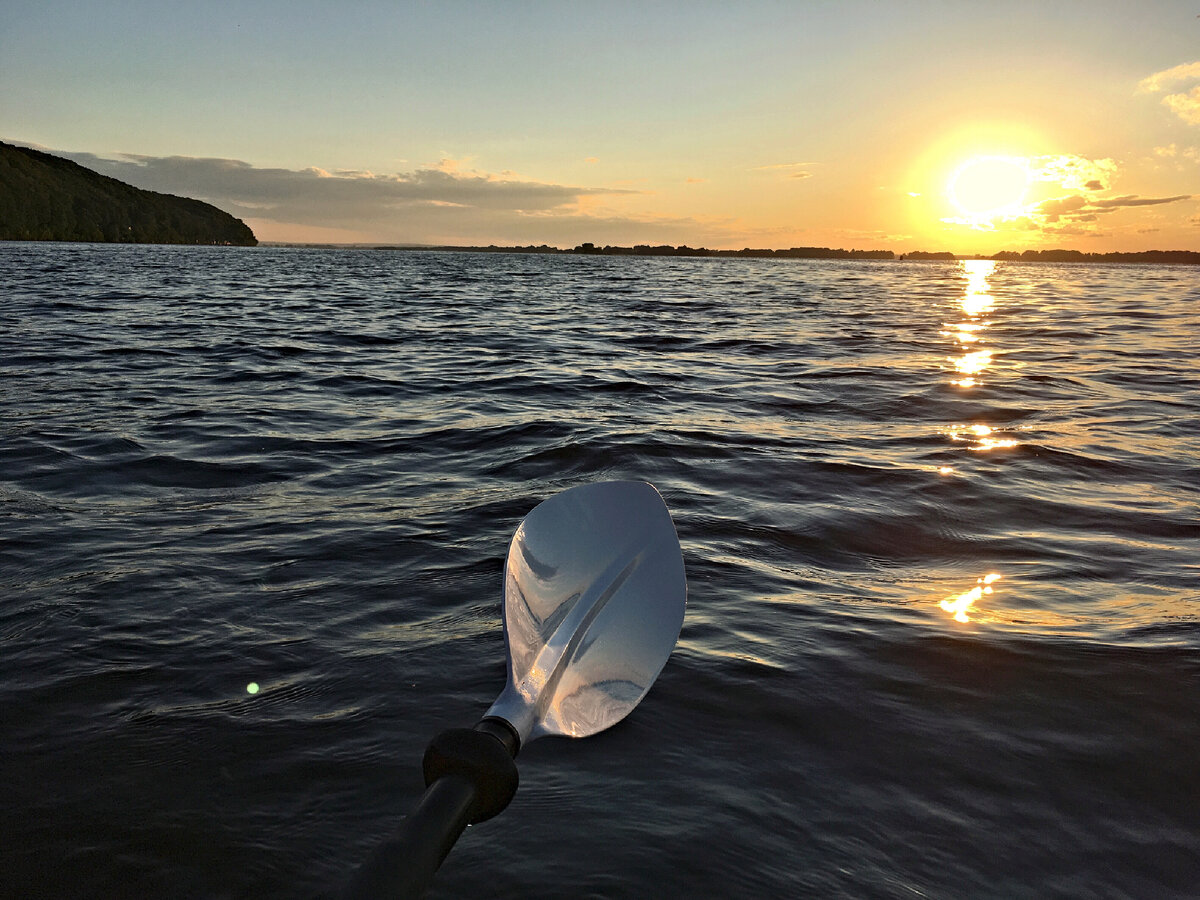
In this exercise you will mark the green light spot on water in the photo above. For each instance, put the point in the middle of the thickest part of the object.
(252, 687)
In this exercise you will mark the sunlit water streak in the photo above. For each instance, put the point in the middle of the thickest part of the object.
(940, 526)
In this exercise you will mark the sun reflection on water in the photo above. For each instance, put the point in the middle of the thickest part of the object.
(962, 603)
(975, 302)
(978, 298)
(974, 363)
(980, 437)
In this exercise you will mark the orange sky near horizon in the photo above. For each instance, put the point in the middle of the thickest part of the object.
(909, 126)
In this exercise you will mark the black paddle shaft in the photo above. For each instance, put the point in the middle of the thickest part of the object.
(470, 776)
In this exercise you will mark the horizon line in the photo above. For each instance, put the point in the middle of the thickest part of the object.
(747, 252)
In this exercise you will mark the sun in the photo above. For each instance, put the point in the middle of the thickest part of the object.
(988, 186)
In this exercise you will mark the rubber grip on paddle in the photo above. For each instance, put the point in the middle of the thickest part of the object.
(479, 757)
(470, 776)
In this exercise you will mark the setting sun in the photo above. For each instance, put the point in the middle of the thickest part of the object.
(986, 186)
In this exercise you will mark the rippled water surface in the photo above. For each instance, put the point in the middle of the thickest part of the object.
(941, 525)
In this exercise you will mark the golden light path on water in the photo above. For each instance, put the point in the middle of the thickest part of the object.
(976, 302)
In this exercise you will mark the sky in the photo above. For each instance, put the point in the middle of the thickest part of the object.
(972, 127)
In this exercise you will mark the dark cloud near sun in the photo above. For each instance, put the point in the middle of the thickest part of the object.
(1132, 200)
(1062, 205)
(1077, 208)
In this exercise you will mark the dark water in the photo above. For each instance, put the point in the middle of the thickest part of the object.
(302, 469)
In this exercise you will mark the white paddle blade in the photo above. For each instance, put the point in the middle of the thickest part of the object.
(594, 597)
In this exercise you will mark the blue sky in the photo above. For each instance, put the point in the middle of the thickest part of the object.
(761, 124)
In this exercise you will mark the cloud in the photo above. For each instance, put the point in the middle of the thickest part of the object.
(774, 166)
(1074, 173)
(1179, 154)
(1076, 208)
(446, 203)
(1076, 185)
(787, 170)
(1061, 205)
(403, 206)
(1186, 106)
(1071, 230)
(1132, 200)
(238, 182)
(1152, 84)
(1070, 214)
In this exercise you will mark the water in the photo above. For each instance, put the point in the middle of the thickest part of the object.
(301, 469)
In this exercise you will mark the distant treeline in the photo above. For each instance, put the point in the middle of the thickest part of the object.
(47, 198)
(1173, 257)
(684, 250)
(1146, 256)
(656, 250)
(1169, 257)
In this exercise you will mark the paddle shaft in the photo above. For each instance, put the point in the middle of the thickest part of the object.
(404, 865)
(470, 776)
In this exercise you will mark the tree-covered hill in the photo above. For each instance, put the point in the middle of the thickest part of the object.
(47, 198)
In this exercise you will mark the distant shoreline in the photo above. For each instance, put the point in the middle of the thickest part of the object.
(1144, 257)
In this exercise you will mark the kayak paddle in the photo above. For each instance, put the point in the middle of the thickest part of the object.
(594, 595)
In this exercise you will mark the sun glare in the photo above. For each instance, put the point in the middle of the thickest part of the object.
(987, 186)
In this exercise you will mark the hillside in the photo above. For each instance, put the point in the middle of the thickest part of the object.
(47, 198)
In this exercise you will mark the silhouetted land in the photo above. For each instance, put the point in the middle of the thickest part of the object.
(1161, 257)
(638, 250)
(684, 250)
(48, 198)
(1174, 257)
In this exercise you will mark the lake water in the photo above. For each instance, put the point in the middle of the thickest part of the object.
(941, 526)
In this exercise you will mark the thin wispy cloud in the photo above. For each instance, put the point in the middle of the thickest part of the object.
(1133, 200)
(787, 170)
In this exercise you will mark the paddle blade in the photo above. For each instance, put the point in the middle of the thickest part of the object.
(593, 602)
